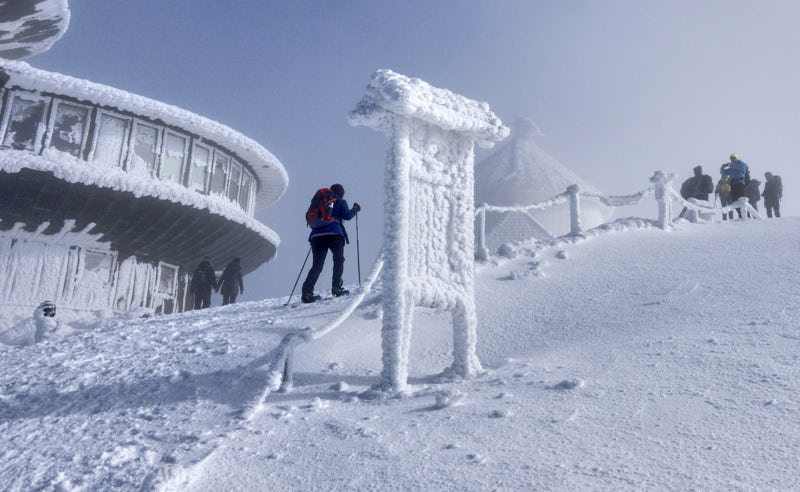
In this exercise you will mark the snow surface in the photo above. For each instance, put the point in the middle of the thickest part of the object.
(272, 177)
(634, 359)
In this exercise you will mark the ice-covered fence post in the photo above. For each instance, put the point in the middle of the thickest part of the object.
(481, 252)
(662, 183)
(429, 219)
(574, 209)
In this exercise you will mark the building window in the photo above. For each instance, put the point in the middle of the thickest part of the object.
(173, 157)
(199, 169)
(145, 150)
(167, 276)
(24, 123)
(244, 193)
(110, 139)
(69, 128)
(236, 176)
(220, 175)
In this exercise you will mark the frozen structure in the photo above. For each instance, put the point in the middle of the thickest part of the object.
(28, 27)
(428, 226)
(520, 173)
(109, 200)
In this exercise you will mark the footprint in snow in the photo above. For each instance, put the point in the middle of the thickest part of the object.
(568, 384)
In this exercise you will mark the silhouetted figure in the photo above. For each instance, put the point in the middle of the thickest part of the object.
(698, 187)
(230, 282)
(753, 192)
(739, 174)
(204, 279)
(773, 192)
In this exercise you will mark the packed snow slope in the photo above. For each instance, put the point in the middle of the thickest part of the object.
(634, 359)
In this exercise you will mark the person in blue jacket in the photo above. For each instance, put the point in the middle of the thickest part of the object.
(331, 237)
(739, 174)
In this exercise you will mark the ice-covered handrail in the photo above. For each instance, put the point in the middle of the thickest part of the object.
(619, 200)
(573, 194)
(280, 373)
(706, 207)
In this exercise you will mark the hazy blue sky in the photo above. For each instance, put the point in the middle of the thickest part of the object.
(619, 88)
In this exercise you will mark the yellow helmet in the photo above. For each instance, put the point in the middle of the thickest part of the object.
(734, 155)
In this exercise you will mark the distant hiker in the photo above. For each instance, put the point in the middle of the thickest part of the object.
(752, 192)
(204, 279)
(723, 191)
(325, 215)
(698, 187)
(773, 192)
(739, 174)
(230, 282)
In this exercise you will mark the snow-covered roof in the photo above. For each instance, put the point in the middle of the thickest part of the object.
(78, 171)
(393, 93)
(272, 177)
(28, 27)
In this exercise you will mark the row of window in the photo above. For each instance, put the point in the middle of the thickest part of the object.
(137, 145)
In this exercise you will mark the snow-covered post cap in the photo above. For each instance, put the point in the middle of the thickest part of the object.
(389, 93)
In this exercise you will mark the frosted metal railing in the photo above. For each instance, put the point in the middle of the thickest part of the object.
(662, 189)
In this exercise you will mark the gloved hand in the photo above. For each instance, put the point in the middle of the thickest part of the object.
(357, 207)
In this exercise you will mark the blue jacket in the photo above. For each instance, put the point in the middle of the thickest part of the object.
(341, 212)
(736, 171)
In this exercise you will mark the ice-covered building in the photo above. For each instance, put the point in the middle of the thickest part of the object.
(519, 172)
(109, 200)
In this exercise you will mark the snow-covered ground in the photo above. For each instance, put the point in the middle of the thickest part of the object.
(639, 359)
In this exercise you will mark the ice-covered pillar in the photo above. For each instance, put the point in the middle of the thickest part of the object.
(662, 183)
(574, 209)
(429, 215)
(481, 251)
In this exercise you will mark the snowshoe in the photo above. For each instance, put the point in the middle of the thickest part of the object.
(309, 298)
(340, 292)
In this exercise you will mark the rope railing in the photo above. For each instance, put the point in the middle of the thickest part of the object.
(661, 189)
(280, 373)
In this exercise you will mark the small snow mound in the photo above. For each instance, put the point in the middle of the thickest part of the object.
(340, 387)
(569, 384)
(447, 399)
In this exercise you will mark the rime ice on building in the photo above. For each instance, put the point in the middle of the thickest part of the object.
(519, 172)
(428, 211)
(108, 200)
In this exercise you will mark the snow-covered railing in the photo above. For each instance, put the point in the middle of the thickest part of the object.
(573, 194)
(662, 189)
(280, 374)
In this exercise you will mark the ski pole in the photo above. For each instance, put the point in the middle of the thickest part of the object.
(298, 276)
(358, 253)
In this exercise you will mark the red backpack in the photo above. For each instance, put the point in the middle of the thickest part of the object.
(321, 209)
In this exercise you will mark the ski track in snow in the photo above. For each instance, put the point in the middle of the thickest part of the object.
(633, 361)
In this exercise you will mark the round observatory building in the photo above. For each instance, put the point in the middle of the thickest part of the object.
(109, 200)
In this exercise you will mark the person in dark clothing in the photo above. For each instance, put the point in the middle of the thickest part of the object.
(723, 191)
(698, 187)
(739, 174)
(333, 237)
(230, 282)
(773, 192)
(752, 192)
(204, 279)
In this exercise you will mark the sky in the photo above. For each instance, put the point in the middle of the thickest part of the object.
(619, 88)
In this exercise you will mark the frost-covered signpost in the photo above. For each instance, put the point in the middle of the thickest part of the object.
(428, 211)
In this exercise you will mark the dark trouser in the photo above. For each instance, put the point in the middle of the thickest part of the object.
(319, 247)
(724, 201)
(772, 206)
(202, 300)
(228, 299)
(737, 191)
